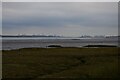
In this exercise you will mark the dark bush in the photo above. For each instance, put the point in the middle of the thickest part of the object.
(100, 46)
(55, 46)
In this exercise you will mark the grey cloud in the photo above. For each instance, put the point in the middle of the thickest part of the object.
(51, 15)
(93, 21)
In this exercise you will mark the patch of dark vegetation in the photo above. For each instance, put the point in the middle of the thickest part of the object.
(38, 63)
(82, 60)
(17, 79)
(57, 46)
(75, 39)
(100, 46)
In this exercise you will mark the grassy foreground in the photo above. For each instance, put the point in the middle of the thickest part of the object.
(81, 63)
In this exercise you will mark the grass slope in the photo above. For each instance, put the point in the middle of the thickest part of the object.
(83, 63)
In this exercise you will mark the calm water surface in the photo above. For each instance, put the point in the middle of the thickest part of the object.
(28, 42)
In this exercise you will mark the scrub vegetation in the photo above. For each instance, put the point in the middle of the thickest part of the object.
(84, 63)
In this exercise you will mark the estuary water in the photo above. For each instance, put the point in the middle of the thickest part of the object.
(9, 43)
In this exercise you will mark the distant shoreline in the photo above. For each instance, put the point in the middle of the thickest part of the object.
(30, 36)
(58, 36)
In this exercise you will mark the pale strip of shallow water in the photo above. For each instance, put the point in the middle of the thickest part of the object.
(17, 43)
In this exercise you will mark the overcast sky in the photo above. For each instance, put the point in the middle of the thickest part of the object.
(67, 19)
